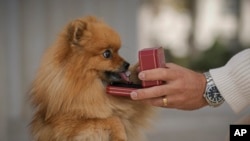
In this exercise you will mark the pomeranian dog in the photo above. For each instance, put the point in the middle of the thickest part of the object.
(69, 95)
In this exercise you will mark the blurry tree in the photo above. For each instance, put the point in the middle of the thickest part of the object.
(222, 49)
(215, 56)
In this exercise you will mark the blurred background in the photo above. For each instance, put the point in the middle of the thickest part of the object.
(198, 34)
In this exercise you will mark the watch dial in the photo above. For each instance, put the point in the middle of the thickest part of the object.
(214, 95)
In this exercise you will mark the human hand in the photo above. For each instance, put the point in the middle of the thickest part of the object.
(183, 88)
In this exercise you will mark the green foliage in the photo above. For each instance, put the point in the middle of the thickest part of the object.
(214, 57)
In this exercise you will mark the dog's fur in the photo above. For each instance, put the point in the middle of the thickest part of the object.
(69, 95)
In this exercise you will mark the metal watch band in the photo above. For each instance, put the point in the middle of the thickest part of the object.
(215, 92)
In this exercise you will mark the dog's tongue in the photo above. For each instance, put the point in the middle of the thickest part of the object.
(125, 76)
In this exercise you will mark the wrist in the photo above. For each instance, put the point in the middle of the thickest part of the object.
(203, 82)
(202, 89)
(211, 93)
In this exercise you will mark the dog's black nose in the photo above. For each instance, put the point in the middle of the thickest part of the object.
(125, 65)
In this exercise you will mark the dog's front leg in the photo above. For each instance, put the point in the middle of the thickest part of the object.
(108, 129)
(118, 132)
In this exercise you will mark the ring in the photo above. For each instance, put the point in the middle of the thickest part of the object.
(165, 101)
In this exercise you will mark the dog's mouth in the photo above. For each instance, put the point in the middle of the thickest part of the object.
(123, 77)
(120, 75)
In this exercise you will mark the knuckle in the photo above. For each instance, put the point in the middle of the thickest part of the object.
(182, 99)
(163, 73)
(141, 94)
(160, 90)
(178, 88)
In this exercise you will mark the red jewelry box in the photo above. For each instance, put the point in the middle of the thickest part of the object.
(149, 58)
(120, 89)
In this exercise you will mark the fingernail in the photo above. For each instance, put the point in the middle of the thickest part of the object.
(141, 75)
(133, 95)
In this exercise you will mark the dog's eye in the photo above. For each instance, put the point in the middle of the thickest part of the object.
(107, 54)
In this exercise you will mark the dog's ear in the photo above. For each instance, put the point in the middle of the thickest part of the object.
(76, 31)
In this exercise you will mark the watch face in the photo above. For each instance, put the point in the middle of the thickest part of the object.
(214, 95)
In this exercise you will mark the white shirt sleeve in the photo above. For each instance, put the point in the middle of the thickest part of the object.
(233, 80)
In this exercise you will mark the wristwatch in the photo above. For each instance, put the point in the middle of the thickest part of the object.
(212, 94)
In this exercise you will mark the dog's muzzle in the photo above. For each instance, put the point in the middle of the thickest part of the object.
(121, 75)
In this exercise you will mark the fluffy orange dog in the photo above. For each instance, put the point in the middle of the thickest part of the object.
(69, 91)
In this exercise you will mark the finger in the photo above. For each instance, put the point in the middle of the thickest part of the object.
(171, 65)
(172, 101)
(164, 74)
(158, 102)
(146, 93)
(176, 101)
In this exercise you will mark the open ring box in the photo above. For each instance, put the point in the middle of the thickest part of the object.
(149, 58)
